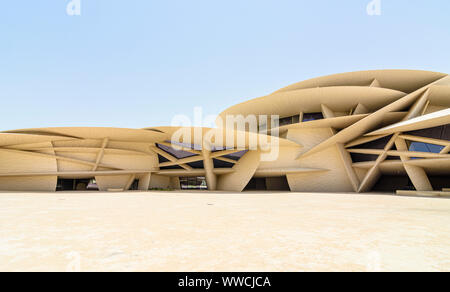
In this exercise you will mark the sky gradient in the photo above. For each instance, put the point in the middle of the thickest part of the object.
(139, 63)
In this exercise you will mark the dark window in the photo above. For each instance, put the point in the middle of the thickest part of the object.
(357, 157)
(185, 145)
(193, 183)
(236, 156)
(171, 167)
(289, 120)
(425, 147)
(393, 158)
(179, 154)
(220, 148)
(440, 182)
(285, 121)
(222, 164)
(377, 144)
(162, 159)
(442, 133)
(135, 185)
(76, 184)
(392, 183)
(197, 164)
(312, 117)
(277, 184)
(256, 184)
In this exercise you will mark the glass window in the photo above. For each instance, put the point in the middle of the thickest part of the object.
(312, 117)
(285, 121)
(425, 147)
(196, 164)
(442, 133)
(193, 183)
(222, 164)
(357, 157)
(236, 156)
(289, 120)
(376, 144)
(179, 154)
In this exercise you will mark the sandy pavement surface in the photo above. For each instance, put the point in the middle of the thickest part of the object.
(201, 231)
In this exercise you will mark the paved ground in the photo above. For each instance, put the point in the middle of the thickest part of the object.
(159, 231)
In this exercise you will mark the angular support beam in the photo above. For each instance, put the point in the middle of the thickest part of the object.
(425, 140)
(144, 182)
(180, 147)
(62, 158)
(348, 165)
(375, 83)
(169, 157)
(399, 153)
(100, 154)
(374, 173)
(224, 159)
(417, 175)
(363, 140)
(363, 126)
(432, 120)
(163, 153)
(372, 176)
(446, 150)
(223, 153)
(425, 108)
(360, 110)
(211, 178)
(418, 107)
(182, 161)
(130, 182)
(327, 112)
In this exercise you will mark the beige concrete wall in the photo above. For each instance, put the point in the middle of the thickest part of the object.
(308, 137)
(112, 182)
(287, 158)
(17, 162)
(243, 172)
(65, 166)
(175, 183)
(144, 182)
(160, 182)
(32, 184)
(80, 143)
(333, 180)
(130, 162)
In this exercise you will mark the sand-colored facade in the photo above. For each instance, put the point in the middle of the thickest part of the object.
(353, 132)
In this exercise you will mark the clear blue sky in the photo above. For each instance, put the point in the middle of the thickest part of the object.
(137, 63)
